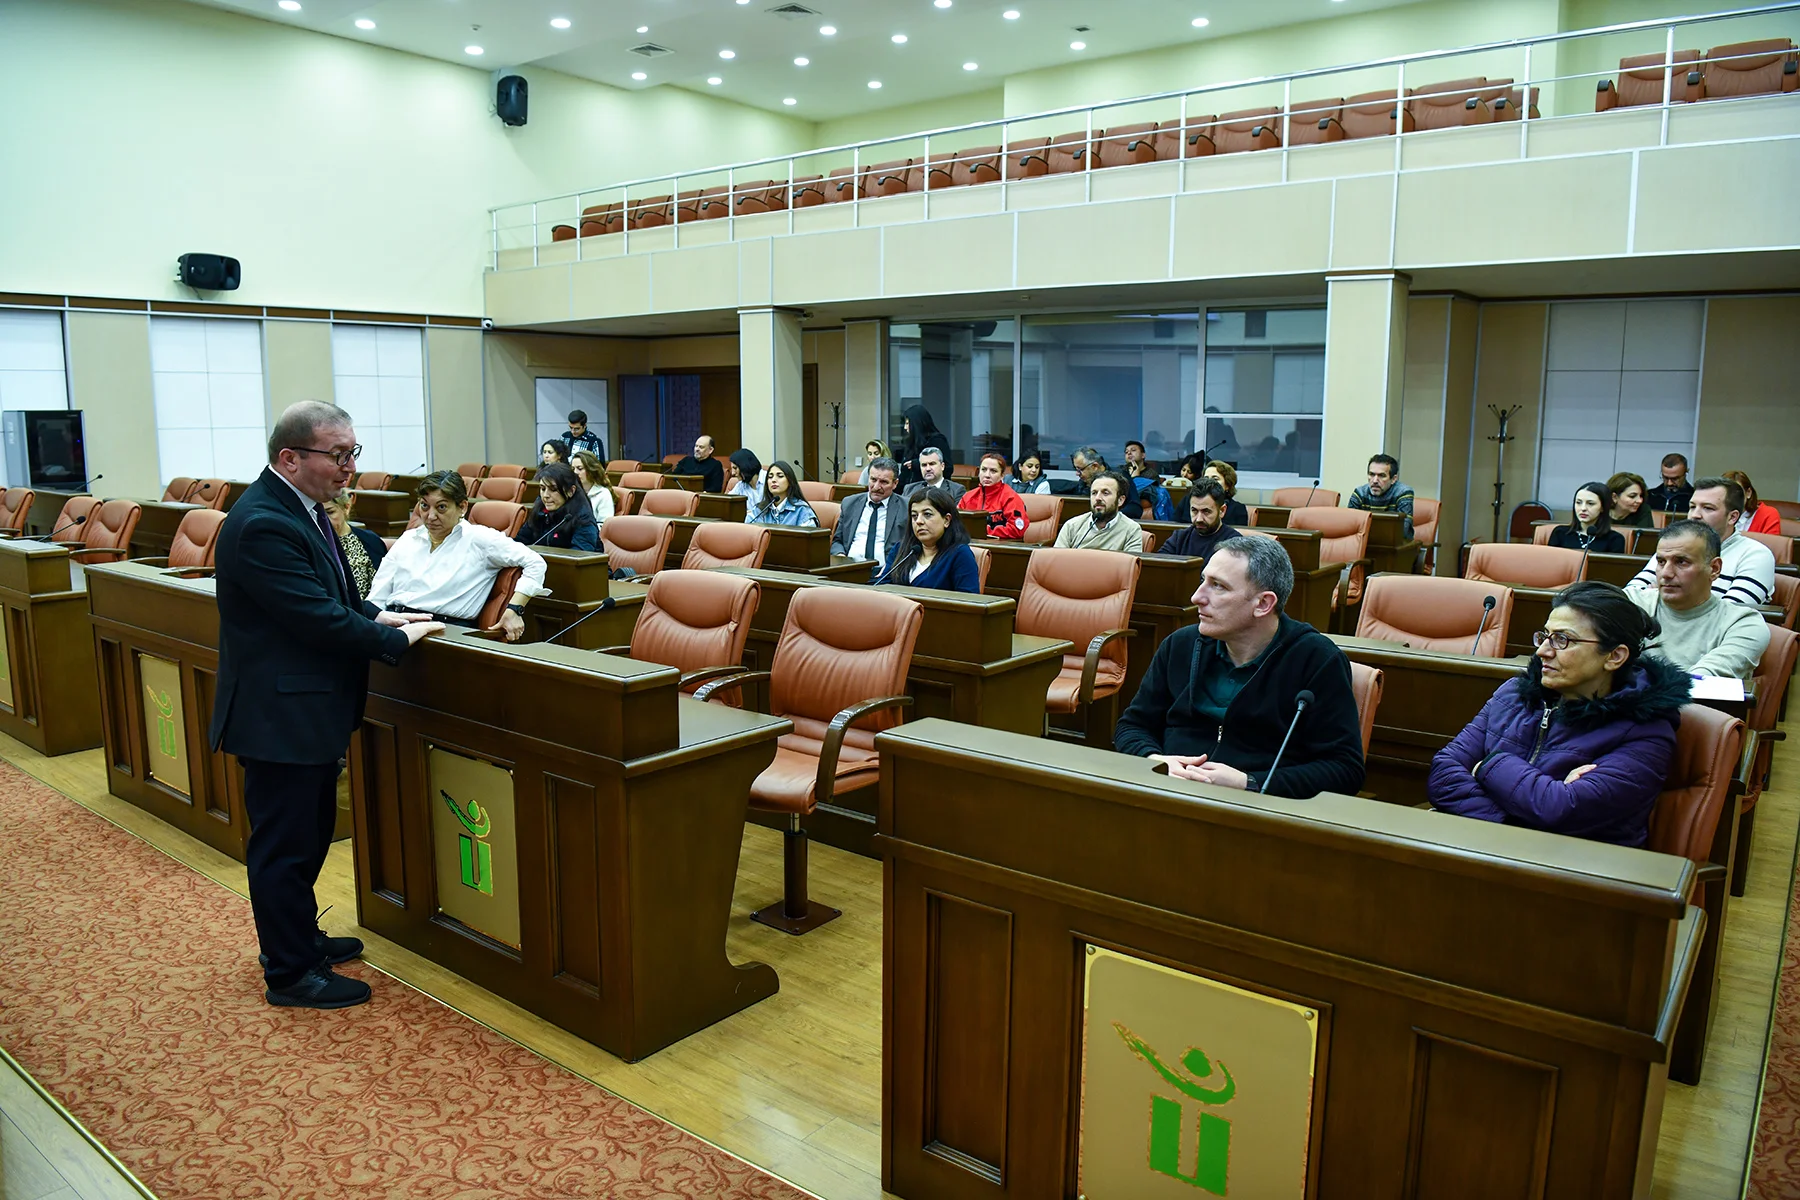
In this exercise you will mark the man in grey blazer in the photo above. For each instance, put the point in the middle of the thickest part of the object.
(934, 473)
(869, 526)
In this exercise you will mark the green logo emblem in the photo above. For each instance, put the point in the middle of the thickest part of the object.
(477, 856)
(1212, 1161)
(165, 721)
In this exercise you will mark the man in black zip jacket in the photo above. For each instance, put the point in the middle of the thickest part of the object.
(1218, 697)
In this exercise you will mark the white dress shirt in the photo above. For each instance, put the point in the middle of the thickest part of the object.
(454, 580)
(861, 537)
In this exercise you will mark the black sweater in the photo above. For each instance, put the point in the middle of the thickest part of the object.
(1190, 544)
(1325, 754)
(1610, 542)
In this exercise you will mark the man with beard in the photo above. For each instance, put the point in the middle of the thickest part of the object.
(1206, 509)
(1104, 527)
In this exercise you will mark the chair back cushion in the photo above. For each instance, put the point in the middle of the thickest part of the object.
(109, 526)
(1075, 595)
(499, 514)
(1749, 69)
(15, 507)
(669, 502)
(374, 481)
(1343, 532)
(1175, 141)
(624, 500)
(1524, 566)
(473, 470)
(1773, 672)
(622, 465)
(1540, 533)
(1781, 547)
(1247, 129)
(1428, 612)
(499, 487)
(1787, 595)
(812, 489)
(983, 562)
(1525, 515)
(1446, 105)
(827, 513)
(640, 543)
(643, 480)
(726, 544)
(1425, 519)
(509, 471)
(1304, 119)
(73, 507)
(841, 646)
(1707, 747)
(1373, 114)
(1641, 79)
(1298, 497)
(851, 477)
(196, 538)
(1365, 685)
(506, 582)
(1042, 515)
(670, 460)
(695, 619)
(1122, 145)
(179, 489)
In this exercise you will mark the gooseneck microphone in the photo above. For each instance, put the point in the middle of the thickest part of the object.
(1301, 700)
(558, 525)
(606, 605)
(89, 482)
(51, 536)
(1487, 610)
(1309, 495)
(199, 486)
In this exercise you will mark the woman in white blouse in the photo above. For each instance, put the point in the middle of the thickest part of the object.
(592, 477)
(445, 565)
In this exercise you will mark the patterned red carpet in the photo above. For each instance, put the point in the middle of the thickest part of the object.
(129, 989)
(1775, 1158)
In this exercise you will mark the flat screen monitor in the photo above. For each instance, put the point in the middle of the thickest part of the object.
(56, 452)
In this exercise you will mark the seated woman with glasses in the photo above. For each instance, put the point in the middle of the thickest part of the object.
(446, 566)
(563, 516)
(934, 551)
(1580, 744)
(782, 503)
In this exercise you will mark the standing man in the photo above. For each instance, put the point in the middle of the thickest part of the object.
(702, 463)
(295, 642)
(1206, 511)
(1746, 566)
(1385, 493)
(1103, 526)
(1673, 495)
(869, 525)
(1700, 633)
(578, 437)
(931, 474)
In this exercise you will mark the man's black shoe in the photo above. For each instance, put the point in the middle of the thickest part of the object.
(320, 988)
(331, 950)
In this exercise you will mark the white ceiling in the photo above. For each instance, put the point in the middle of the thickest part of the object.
(599, 41)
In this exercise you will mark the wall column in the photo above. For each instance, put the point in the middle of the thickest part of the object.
(769, 350)
(865, 385)
(1365, 367)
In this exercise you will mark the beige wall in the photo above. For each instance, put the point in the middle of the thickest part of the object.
(1510, 371)
(1748, 386)
(453, 374)
(989, 105)
(109, 380)
(826, 348)
(296, 364)
(514, 363)
(1437, 408)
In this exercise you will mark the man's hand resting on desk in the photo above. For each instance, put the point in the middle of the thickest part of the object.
(399, 620)
(1197, 768)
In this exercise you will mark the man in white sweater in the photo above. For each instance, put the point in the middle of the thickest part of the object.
(1746, 567)
(1701, 633)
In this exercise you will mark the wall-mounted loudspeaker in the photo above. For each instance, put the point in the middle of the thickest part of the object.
(209, 272)
(510, 96)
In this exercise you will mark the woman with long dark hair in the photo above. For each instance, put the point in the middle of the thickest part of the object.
(563, 516)
(1591, 530)
(782, 503)
(1581, 742)
(934, 551)
(921, 431)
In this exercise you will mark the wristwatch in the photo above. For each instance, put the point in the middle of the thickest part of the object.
(518, 608)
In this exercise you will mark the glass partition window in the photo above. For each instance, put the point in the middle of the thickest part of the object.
(1265, 392)
(1103, 379)
(962, 372)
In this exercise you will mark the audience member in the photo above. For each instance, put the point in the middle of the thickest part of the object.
(1746, 566)
(445, 566)
(1103, 527)
(363, 550)
(1385, 493)
(921, 431)
(1219, 696)
(553, 451)
(579, 437)
(702, 463)
(870, 525)
(931, 474)
(590, 473)
(745, 477)
(1207, 528)
(1088, 463)
(563, 516)
(1005, 511)
(875, 448)
(1701, 634)
(1580, 744)
(1591, 530)
(1757, 517)
(1674, 495)
(1029, 475)
(1136, 465)
(1193, 467)
(1628, 510)
(934, 550)
(1149, 499)
(1235, 513)
(782, 503)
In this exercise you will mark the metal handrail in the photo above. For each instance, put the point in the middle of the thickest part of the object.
(1183, 93)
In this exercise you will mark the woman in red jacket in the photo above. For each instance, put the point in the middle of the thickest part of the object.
(1758, 517)
(1005, 511)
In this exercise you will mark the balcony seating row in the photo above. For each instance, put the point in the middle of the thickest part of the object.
(1763, 68)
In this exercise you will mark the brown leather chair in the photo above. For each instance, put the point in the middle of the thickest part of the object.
(644, 480)
(1512, 103)
(1525, 516)
(624, 501)
(471, 484)
(1542, 531)
(812, 489)
(619, 466)
(1175, 140)
(1374, 114)
(1524, 566)
(1343, 539)
(764, 195)
(1365, 685)
(1700, 782)
(1425, 520)
(809, 190)
(1427, 613)
(1082, 597)
(852, 477)
(503, 515)
(668, 502)
(506, 582)
(1303, 497)
(641, 543)
(839, 674)
(15, 509)
(1247, 129)
(106, 534)
(1773, 673)
(71, 523)
(1043, 513)
(1025, 158)
(726, 544)
(374, 481)
(196, 540)
(696, 622)
(1780, 546)
(1124, 145)
(471, 470)
(1314, 122)
(984, 562)
(1790, 528)
(180, 490)
(670, 460)
(650, 212)
(1765, 68)
(1451, 103)
(965, 168)
(510, 471)
(1789, 510)
(1064, 154)
(844, 183)
(827, 513)
(1787, 598)
(894, 178)
(562, 233)
(1641, 81)
(499, 487)
(213, 493)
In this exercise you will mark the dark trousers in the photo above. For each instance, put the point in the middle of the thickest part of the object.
(292, 810)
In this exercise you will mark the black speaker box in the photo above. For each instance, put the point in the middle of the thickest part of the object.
(511, 94)
(209, 272)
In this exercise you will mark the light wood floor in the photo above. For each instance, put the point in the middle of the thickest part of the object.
(794, 1083)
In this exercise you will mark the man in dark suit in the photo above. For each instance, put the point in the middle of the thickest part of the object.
(869, 526)
(295, 642)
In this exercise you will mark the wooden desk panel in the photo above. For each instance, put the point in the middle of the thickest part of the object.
(157, 523)
(1531, 608)
(385, 513)
(1389, 548)
(1616, 569)
(49, 689)
(1495, 1005)
(792, 549)
(579, 584)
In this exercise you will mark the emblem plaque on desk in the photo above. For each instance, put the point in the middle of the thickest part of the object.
(1191, 1087)
(474, 843)
(165, 724)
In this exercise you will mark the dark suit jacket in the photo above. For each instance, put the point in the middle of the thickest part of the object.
(711, 472)
(294, 648)
(850, 515)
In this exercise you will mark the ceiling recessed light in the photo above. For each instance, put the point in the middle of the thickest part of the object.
(476, 51)
(559, 22)
(639, 76)
(289, 5)
(828, 30)
(643, 29)
(789, 101)
(364, 23)
(714, 80)
(1011, 14)
(971, 66)
(1078, 45)
(728, 54)
(802, 61)
(899, 39)
(940, 3)
(875, 85)
(1200, 22)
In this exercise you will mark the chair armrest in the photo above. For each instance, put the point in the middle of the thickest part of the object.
(66, 545)
(621, 651)
(121, 551)
(1694, 78)
(933, 172)
(833, 745)
(1090, 666)
(1195, 140)
(704, 674)
(736, 677)
(980, 167)
(188, 572)
(1709, 873)
(161, 561)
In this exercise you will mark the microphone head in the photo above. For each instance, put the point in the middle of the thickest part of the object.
(81, 520)
(1315, 483)
(1488, 604)
(1303, 698)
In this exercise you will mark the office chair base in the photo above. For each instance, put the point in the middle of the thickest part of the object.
(775, 916)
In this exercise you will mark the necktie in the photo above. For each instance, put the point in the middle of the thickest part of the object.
(869, 540)
(331, 542)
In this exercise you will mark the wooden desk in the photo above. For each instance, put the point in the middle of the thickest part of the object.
(1531, 609)
(579, 583)
(157, 522)
(46, 506)
(385, 513)
(593, 884)
(687, 483)
(49, 692)
(1490, 1009)
(1268, 516)
(794, 549)
(235, 493)
(1616, 569)
(1389, 547)
(711, 506)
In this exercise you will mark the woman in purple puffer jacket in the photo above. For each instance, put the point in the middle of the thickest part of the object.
(1581, 743)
